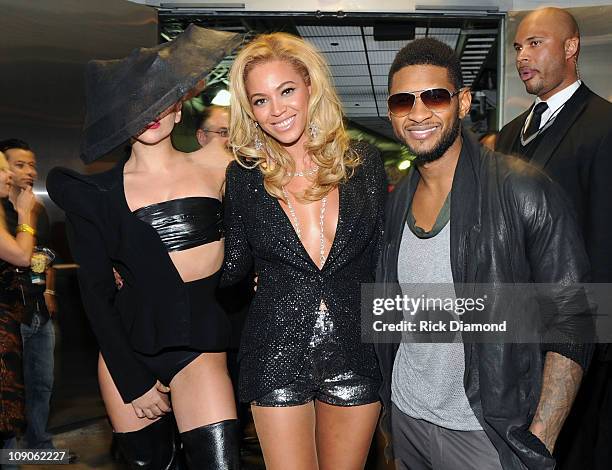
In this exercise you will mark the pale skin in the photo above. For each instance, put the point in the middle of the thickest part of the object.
(202, 391)
(315, 435)
(561, 376)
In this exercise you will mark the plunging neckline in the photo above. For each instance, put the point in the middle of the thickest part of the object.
(299, 242)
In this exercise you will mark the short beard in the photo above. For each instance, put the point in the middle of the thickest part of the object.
(448, 139)
(535, 89)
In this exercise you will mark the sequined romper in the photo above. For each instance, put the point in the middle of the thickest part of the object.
(288, 353)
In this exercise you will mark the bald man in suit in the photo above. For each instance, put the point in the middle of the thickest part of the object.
(567, 132)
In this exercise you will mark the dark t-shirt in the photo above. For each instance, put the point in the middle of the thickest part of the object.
(33, 293)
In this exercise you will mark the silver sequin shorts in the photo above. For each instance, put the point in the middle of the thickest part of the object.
(317, 381)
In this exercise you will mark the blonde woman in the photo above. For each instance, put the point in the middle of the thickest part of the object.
(304, 208)
(14, 251)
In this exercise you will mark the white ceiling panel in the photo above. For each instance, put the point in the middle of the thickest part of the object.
(352, 81)
(443, 31)
(353, 114)
(350, 70)
(343, 43)
(345, 58)
(381, 57)
(394, 46)
(355, 93)
(380, 80)
(449, 39)
(380, 69)
(306, 31)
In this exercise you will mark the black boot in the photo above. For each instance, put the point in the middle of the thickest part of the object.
(151, 448)
(213, 447)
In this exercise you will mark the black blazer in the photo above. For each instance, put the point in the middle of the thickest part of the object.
(152, 310)
(290, 286)
(576, 152)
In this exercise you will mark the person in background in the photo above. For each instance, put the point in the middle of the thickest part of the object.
(567, 132)
(213, 125)
(37, 327)
(14, 252)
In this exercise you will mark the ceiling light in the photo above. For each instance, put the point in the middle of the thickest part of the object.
(404, 165)
(222, 98)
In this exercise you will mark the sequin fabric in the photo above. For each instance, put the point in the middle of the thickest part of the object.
(345, 388)
(279, 328)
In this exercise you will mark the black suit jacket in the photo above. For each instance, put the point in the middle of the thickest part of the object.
(576, 152)
(151, 311)
(290, 286)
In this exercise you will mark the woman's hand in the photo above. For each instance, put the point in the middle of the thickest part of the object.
(154, 403)
(25, 201)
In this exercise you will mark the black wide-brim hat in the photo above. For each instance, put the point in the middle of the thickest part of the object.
(125, 95)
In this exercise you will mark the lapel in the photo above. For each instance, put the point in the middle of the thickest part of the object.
(510, 140)
(553, 136)
(351, 201)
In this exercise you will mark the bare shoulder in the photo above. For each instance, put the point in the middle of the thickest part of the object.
(212, 157)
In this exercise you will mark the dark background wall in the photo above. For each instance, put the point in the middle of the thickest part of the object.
(44, 47)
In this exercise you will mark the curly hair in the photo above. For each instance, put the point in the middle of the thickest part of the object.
(329, 148)
(428, 51)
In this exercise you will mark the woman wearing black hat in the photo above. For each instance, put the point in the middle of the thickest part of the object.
(156, 220)
(304, 205)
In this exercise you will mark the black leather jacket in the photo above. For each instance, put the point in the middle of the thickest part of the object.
(509, 224)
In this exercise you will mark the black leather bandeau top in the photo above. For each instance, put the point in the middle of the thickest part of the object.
(185, 223)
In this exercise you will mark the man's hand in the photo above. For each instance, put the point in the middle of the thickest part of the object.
(118, 279)
(154, 403)
(51, 303)
(560, 383)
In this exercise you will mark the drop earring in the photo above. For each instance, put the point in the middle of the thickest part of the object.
(257, 141)
(313, 129)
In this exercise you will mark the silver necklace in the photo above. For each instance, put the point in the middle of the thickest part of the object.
(298, 230)
(310, 172)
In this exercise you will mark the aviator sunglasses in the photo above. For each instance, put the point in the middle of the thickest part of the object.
(435, 99)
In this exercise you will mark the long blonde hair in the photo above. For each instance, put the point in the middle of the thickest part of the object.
(328, 146)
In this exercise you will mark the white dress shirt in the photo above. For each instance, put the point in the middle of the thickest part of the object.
(555, 103)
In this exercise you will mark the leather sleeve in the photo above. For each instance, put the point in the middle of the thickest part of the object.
(238, 257)
(558, 259)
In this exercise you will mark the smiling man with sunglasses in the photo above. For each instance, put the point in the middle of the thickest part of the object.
(465, 215)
